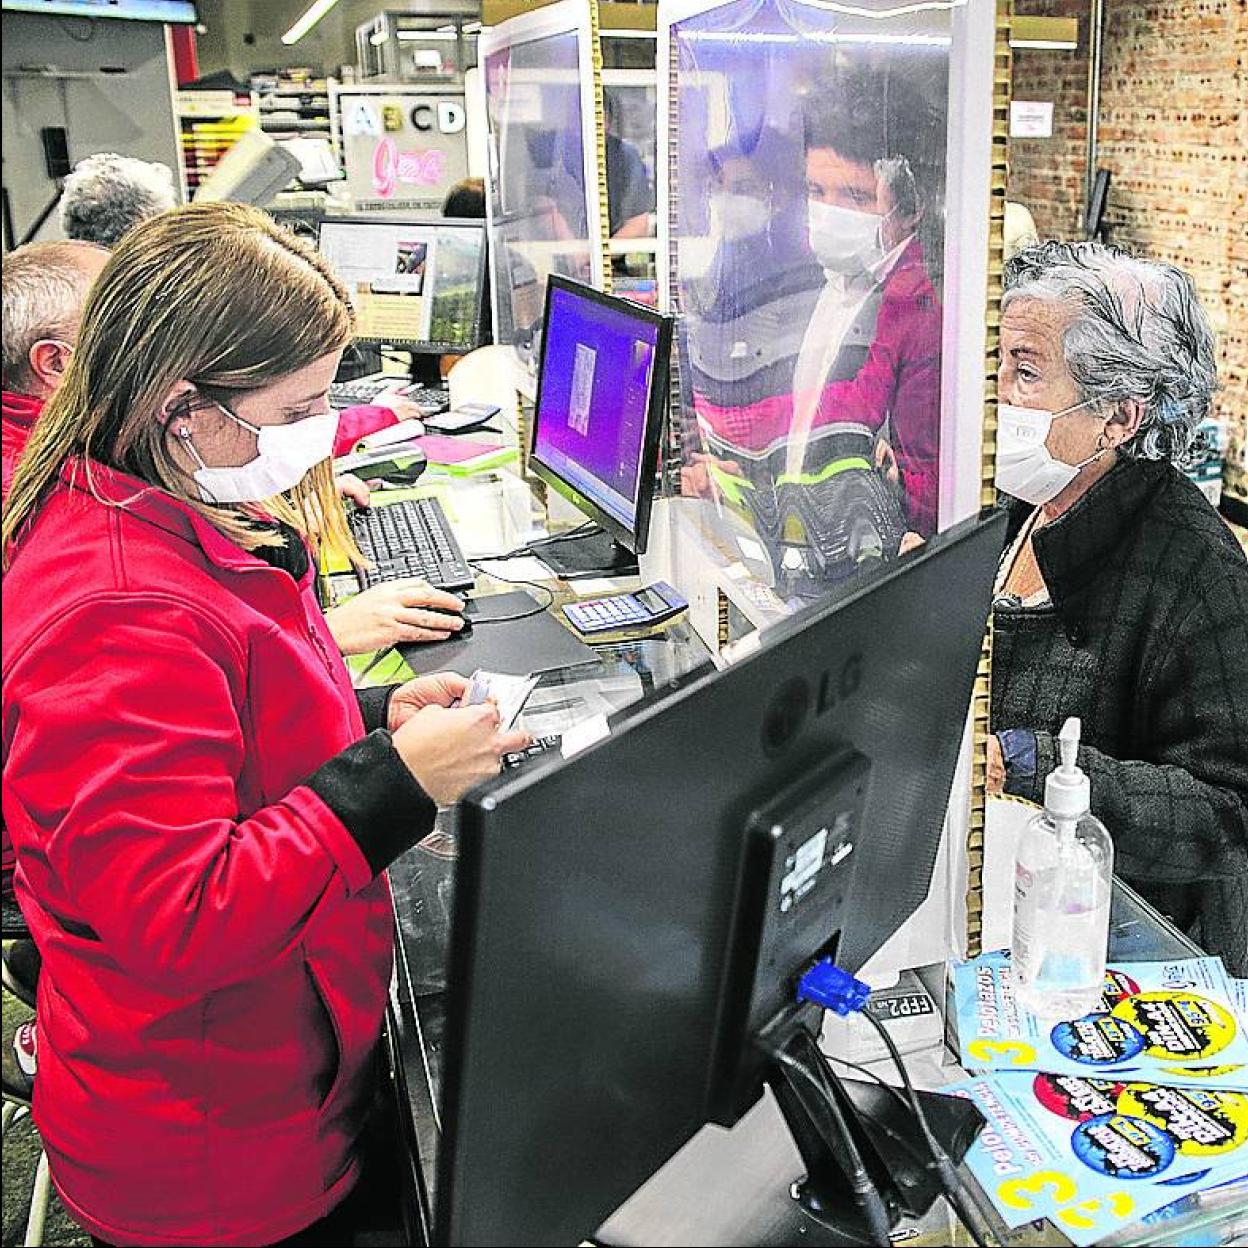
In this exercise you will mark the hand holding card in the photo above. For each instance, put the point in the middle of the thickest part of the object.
(509, 693)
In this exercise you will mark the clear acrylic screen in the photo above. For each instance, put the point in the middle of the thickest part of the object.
(538, 196)
(808, 191)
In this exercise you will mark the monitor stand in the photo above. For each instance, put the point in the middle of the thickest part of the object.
(888, 1139)
(593, 553)
(827, 1191)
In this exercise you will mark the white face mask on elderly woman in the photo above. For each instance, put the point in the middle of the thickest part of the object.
(1026, 468)
(284, 456)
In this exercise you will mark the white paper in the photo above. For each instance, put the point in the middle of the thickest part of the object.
(584, 735)
(1031, 119)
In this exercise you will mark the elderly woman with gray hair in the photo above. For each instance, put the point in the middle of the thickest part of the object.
(1122, 597)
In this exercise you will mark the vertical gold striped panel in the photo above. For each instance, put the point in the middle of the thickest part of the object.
(982, 695)
(600, 146)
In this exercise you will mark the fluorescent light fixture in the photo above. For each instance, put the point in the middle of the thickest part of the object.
(378, 37)
(450, 28)
(471, 28)
(745, 38)
(1053, 33)
(436, 36)
(313, 14)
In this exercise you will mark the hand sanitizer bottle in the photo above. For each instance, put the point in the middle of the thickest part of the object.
(1063, 877)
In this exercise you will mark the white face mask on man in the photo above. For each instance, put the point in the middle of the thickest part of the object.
(844, 240)
(1026, 468)
(284, 456)
(735, 216)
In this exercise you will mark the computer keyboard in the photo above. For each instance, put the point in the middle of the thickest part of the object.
(361, 390)
(411, 538)
(539, 747)
(431, 400)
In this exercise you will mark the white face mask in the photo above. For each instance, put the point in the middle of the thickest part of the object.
(284, 456)
(734, 217)
(844, 240)
(1026, 468)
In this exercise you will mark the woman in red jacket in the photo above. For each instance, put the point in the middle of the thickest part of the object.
(200, 812)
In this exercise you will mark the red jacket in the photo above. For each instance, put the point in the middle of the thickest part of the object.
(19, 413)
(216, 948)
(17, 419)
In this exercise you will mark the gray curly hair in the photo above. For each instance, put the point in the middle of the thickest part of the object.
(107, 195)
(1140, 333)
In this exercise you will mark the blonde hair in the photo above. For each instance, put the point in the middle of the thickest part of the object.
(215, 294)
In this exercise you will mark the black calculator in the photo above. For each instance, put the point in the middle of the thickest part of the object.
(622, 612)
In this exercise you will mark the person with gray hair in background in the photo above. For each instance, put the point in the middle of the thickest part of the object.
(1122, 597)
(107, 195)
(44, 289)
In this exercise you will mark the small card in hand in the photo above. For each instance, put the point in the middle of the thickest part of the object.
(510, 693)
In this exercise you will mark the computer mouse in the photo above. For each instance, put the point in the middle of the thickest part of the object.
(406, 470)
(469, 613)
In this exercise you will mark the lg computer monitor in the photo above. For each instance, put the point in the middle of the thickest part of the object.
(414, 284)
(624, 920)
(601, 391)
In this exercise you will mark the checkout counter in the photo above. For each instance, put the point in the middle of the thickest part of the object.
(723, 1187)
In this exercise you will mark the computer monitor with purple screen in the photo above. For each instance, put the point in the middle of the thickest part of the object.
(602, 383)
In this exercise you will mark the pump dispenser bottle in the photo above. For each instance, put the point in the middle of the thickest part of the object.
(1063, 877)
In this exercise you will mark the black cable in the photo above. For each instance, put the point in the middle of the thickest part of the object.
(478, 621)
(896, 1093)
(866, 1194)
(587, 529)
(48, 209)
(372, 663)
(942, 1164)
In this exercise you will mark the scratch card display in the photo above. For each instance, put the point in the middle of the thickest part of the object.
(1173, 1022)
(1095, 1154)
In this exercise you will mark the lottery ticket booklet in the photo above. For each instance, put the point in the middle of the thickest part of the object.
(1099, 1122)
(1178, 1022)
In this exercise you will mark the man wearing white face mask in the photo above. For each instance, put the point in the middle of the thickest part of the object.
(1122, 597)
(871, 354)
(869, 350)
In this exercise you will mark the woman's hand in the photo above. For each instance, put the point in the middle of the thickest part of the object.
(440, 689)
(449, 749)
(352, 488)
(393, 612)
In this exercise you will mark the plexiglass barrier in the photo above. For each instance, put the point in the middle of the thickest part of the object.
(543, 202)
(806, 175)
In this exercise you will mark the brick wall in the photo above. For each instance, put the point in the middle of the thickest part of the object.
(1048, 174)
(1174, 134)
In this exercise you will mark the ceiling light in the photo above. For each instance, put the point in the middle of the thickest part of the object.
(313, 14)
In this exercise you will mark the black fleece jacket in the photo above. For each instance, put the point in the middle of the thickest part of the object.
(1146, 640)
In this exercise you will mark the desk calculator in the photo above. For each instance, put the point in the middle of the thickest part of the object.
(622, 612)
